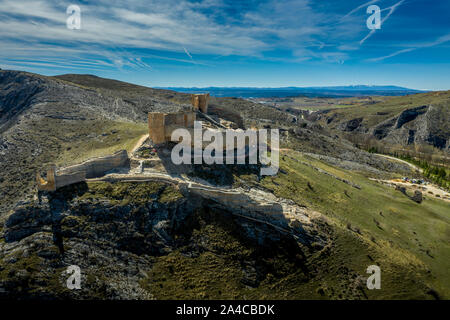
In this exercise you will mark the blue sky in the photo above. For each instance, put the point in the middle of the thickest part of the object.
(233, 43)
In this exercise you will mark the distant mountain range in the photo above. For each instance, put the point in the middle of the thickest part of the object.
(337, 91)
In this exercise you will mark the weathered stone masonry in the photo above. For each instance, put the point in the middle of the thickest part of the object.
(91, 168)
(161, 125)
(200, 101)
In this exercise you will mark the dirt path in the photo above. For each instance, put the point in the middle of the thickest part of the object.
(400, 160)
(426, 189)
(139, 143)
(429, 190)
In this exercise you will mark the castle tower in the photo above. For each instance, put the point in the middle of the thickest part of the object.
(189, 118)
(50, 184)
(156, 127)
(200, 101)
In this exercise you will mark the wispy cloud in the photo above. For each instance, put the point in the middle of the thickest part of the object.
(392, 54)
(440, 40)
(206, 27)
(391, 11)
(364, 5)
(187, 53)
(138, 35)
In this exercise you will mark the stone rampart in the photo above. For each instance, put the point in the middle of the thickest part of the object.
(97, 167)
(91, 168)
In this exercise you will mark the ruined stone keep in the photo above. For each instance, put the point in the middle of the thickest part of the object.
(200, 102)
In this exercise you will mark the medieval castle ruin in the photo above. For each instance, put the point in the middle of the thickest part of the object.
(200, 102)
(161, 125)
(256, 205)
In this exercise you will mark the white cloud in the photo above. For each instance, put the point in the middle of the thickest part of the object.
(188, 54)
(165, 25)
(391, 11)
(364, 5)
(35, 31)
(440, 40)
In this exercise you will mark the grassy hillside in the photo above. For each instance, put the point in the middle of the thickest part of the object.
(375, 113)
(406, 236)
(415, 126)
(120, 88)
(319, 103)
(373, 225)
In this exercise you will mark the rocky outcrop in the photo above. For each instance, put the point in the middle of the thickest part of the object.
(393, 126)
(115, 232)
(383, 129)
(417, 197)
(415, 126)
(352, 124)
(253, 204)
(409, 115)
(18, 92)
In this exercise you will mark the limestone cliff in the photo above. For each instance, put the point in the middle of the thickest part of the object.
(117, 232)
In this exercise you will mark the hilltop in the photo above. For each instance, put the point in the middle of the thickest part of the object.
(412, 122)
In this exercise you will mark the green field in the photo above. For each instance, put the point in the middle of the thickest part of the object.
(374, 225)
(106, 139)
(92, 139)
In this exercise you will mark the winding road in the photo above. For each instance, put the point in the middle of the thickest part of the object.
(402, 161)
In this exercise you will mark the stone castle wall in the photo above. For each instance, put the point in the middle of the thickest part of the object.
(50, 183)
(161, 125)
(91, 168)
(97, 167)
(200, 101)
